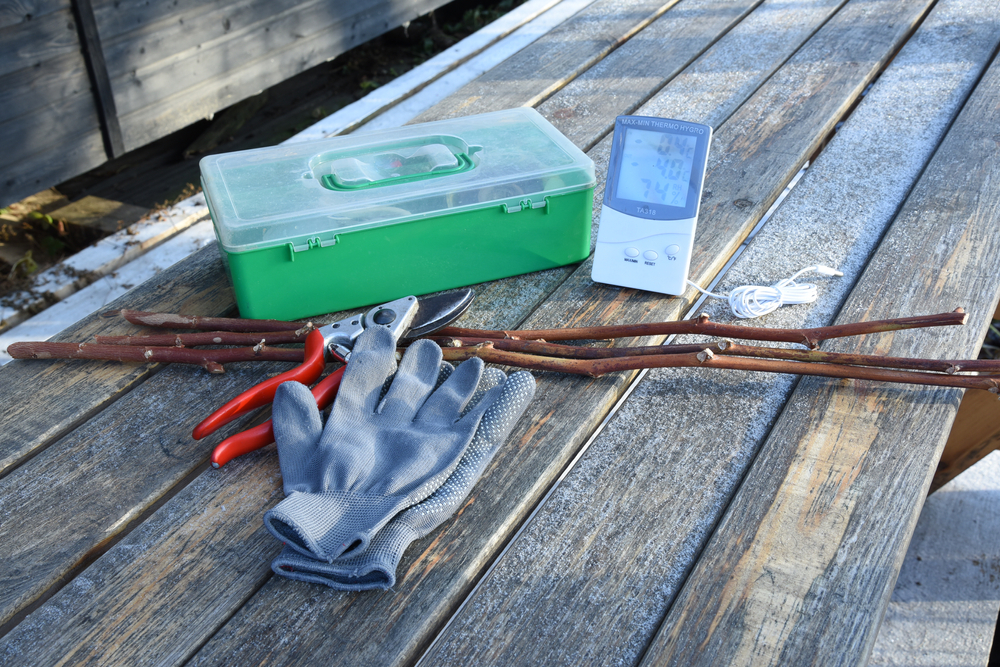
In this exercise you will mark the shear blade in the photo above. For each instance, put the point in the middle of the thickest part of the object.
(440, 310)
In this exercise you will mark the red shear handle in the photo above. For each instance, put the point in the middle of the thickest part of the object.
(262, 435)
(263, 393)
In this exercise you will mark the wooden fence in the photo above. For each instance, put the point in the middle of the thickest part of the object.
(87, 80)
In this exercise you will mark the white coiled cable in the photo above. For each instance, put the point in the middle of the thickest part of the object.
(755, 300)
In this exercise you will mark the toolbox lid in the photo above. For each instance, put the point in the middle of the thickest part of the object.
(306, 193)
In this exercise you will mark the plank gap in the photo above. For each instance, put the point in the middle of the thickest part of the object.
(101, 548)
(70, 426)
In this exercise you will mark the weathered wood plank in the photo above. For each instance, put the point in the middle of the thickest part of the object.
(177, 36)
(711, 85)
(47, 399)
(49, 125)
(746, 57)
(81, 150)
(29, 43)
(55, 79)
(65, 504)
(638, 307)
(616, 538)
(93, 53)
(829, 505)
(438, 571)
(534, 73)
(631, 74)
(138, 17)
(132, 581)
(975, 434)
(53, 128)
(154, 446)
(224, 70)
(408, 109)
(13, 12)
(576, 431)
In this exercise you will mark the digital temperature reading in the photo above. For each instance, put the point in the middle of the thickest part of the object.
(656, 167)
(651, 202)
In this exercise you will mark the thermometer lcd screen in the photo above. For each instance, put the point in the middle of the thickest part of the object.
(651, 202)
(656, 167)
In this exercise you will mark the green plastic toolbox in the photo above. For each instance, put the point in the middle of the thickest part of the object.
(323, 226)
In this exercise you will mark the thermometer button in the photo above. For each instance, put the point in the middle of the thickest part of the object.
(631, 252)
(650, 255)
(672, 249)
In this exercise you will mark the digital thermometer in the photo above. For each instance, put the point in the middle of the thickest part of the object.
(651, 202)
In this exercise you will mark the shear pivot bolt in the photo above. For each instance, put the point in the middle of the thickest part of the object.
(384, 316)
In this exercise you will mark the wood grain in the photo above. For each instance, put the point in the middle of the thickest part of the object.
(81, 150)
(25, 44)
(69, 502)
(93, 53)
(444, 564)
(289, 622)
(631, 74)
(830, 503)
(534, 73)
(975, 433)
(13, 12)
(49, 128)
(29, 89)
(47, 399)
(564, 392)
(48, 107)
(235, 61)
(169, 563)
(590, 578)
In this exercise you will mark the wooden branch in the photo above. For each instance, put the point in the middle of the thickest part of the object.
(901, 363)
(544, 349)
(709, 359)
(206, 338)
(163, 320)
(211, 360)
(523, 349)
(727, 347)
(702, 325)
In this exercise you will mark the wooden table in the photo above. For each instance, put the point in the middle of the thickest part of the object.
(717, 518)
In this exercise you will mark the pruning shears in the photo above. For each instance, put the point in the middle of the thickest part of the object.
(408, 317)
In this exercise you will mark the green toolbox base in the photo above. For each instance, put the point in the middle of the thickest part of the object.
(371, 266)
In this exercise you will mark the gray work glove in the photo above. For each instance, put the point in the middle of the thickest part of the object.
(376, 567)
(374, 458)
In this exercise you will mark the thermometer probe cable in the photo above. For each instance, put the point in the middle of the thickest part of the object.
(751, 301)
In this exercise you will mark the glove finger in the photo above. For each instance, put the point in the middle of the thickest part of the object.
(506, 409)
(512, 396)
(414, 381)
(297, 428)
(492, 377)
(445, 370)
(445, 405)
(510, 400)
(373, 359)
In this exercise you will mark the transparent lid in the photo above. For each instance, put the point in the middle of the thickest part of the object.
(306, 193)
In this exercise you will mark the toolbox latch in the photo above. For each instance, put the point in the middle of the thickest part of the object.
(312, 242)
(525, 204)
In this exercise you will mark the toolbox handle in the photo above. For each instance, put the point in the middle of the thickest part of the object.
(392, 163)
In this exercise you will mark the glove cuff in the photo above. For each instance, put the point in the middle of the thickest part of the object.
(371, 570)
(327, 526)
